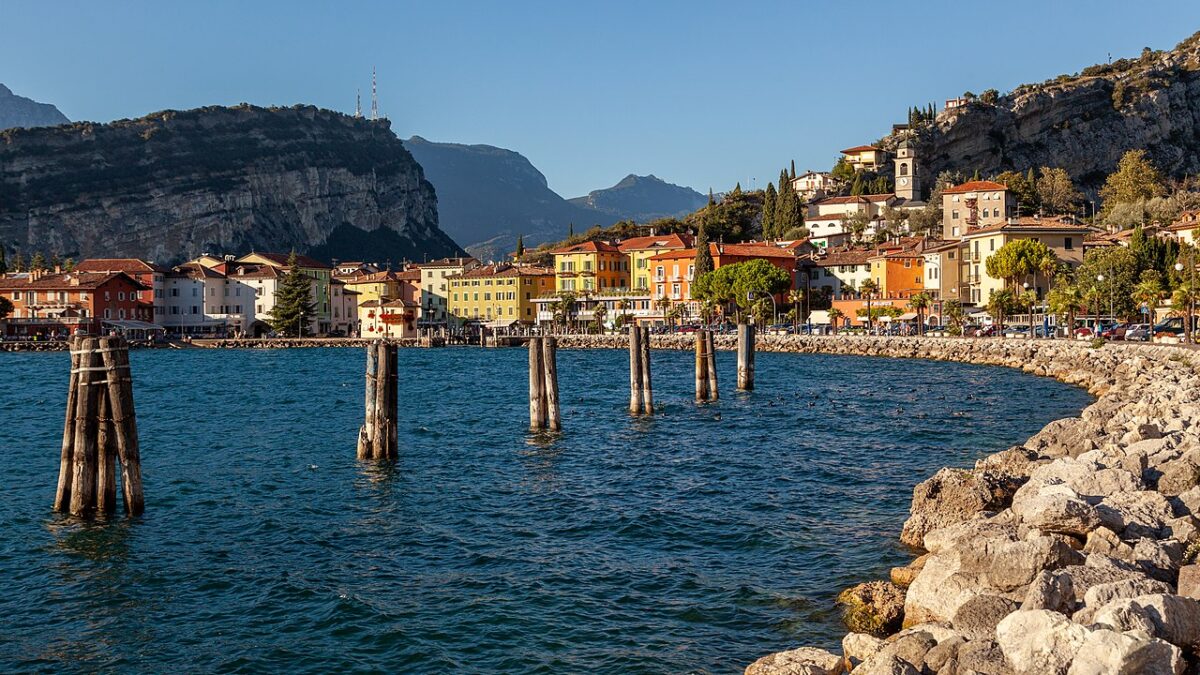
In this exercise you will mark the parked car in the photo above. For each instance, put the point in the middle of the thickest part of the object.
(1084, 332)
(1017, 331)
(1139, 332)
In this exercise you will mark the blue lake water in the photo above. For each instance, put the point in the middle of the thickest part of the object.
(695, 541)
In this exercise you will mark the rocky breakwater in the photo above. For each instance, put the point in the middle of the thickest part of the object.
(307, 343)
(1072, 553)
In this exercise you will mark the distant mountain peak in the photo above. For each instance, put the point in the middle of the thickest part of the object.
(643, 198)
(18, 111)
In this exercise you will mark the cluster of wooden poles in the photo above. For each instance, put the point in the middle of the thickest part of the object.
(100, 430)
(379, 436)
(544, 411)
(641, 393)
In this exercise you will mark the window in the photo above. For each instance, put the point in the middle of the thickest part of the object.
(107, 295)
(903, 168)
(954, 214)
(991, 244)
(1068, 243)
(107, 313)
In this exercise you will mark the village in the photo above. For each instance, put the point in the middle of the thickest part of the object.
(856, 270)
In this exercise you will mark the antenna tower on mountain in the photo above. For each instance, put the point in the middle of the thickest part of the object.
(374, 98)
(358, 103)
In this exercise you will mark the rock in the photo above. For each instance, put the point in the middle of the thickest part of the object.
(856, 647)
(1058, 438)
(1189, 581)
(1178, 476)
(1106, 652)
(1086, 477)
(1173, 618)
(908, 650)
(1101, 594)
(802, 661)
(1142, 513)
(903, 576)
(1105, 541)
(952, 496)
(1187, 503)
(1054, 508)
(1051, 590)
(1016, 463)
(1184, 529)
(976, 618)
(942, 653)
(982, 657)
(1039, 641)
(1158, 558)
(875, 607)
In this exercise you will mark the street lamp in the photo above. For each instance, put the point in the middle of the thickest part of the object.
(774, 307)
(1191, 290)
(1030, 308)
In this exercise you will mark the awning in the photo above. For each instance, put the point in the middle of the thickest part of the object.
(130, 324)
(907, 316)
(500, 323)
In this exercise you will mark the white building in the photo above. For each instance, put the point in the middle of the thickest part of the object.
(814, 184)
(434, 293)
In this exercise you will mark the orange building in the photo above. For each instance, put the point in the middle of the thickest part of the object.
(899, 273)
(673, 271)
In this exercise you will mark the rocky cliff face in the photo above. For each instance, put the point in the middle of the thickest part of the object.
(18, 111)
(1082, 123)
(172, 185)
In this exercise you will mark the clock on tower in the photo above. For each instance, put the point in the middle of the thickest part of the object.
(908, 183)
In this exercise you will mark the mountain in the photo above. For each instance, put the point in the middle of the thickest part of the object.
(18, 111)
(643, 198)
(175, 184)
(487, 196)
(1082, 123)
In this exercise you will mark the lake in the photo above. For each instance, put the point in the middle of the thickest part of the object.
(695, 541)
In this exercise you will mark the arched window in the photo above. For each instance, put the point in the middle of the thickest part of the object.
(904, 168)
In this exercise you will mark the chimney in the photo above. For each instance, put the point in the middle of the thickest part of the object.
(58, 269)
(34, 275)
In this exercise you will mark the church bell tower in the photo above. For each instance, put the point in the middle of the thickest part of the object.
(908, 178)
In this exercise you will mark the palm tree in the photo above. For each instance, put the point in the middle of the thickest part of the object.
(953, 311)
(623, 306)
(1182, 302)
(796, 297)
(564, 309)
(673, 314)
(1066, 301)
(834, 315)
(761, 311)
(998, 305)
(1148, 293)
(1026, 301)
(599, 314)
(919, 303)
(869, 288)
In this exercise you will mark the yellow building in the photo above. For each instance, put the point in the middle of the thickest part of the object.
(590, 266)
(639, 250)
(1064, 239)
(866, 157)
(377, 286)
(500, 293)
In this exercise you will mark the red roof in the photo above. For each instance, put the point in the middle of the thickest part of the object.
(66, 281)
(664, 242)
(975, 186)
(587, 247)
(859, 148)
(126, 265)
(755, 250)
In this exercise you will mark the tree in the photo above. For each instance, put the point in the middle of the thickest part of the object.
(3, 262)
(1148, 293)
(520, 246)
(703, 262)
(835, 315)
(1066, 302)
(1056, 192)
(623, 307)
(793, 169)
(6, 307)
(1107, 277)
(1183, 303)
(293, 301)
(952, 310)
(856, 224)
(796, 298)
(788, 213)
(741, 283)
(663, 305)
(1022, 187)
(18, 264)
(768, 212)
(570, 230)
(69, 265)
(869, 288)
(842, 172)
(599, 314)
(1017, 259)
(1135, 178)
(37, 262)
(989, 96)
(564, 309)
(1000, 305)
(920, 302)
(675, 313)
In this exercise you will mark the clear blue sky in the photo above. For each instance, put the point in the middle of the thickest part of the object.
(699, 93)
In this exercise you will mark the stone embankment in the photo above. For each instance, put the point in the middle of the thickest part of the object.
(307, 343)
(1072, 553)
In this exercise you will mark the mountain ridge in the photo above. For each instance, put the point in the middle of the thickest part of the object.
(19, 111)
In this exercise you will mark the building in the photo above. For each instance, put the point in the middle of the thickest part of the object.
(907, 173)
(344, 302)
(975, 204)
(387, 319)
(943, 273)
(828, 219)
(640, 250)
(674, 271)
(435, 289)
(151, 302)
(200, 300)
(899, 272)
(321, 275)
(864, 157)
(498, 295)
(838, 274)
(1064, 239)
(590, 266)
(61, 304)
(1185, 227)
(377, 285)
(812, 185)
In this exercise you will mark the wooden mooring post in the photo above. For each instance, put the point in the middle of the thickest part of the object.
(714, 393)
(745, 357)
(379, 437)
(544, 411)
(99, 431)
(550, 374)
(701, 367)
(641, 391)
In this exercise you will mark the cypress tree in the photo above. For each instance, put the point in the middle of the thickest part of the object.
(293, 301)
(69, 265)
(703, 262)
(18, 262)
(787, 211)
(793, 168)
(37, 262)
(737, 189)
(3, 262)
(857, 187)
(768, 213)
(520, 246)
(55, 261)
(570, 230)
(783, 178)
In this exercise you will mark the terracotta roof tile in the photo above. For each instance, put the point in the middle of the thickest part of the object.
(975, 186)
